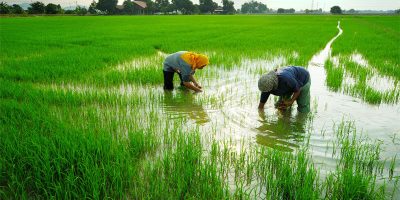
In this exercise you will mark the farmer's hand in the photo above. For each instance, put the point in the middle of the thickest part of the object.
(287, 104)
(284, 104)
(197, 85)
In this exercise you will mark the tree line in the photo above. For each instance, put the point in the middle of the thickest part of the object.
(110, 7)
(130, 7)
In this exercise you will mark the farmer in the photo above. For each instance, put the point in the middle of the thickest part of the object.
(290, 84)
(184, 63)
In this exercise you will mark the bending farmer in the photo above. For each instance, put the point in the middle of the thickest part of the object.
(185, 64)
(290, 84)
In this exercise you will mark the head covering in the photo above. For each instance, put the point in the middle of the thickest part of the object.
(268, 82)
(195, 60)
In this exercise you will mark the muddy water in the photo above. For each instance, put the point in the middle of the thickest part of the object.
(228, 108)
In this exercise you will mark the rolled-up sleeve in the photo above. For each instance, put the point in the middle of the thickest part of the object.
(264, 97)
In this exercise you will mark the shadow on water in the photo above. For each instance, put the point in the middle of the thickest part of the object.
(181, 104)
(281, 130)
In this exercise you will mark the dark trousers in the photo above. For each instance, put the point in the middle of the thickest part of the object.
(169, 80)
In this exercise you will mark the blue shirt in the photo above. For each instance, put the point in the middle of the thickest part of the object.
(174, 63)
(290, 80)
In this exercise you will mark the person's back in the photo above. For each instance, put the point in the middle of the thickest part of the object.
(174, 62)
(299, 74)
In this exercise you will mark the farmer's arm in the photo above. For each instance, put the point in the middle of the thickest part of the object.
(186, 79)
(263, 100)
(292, 83)
(194, 81)
(294, 97)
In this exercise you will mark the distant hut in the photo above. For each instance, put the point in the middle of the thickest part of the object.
(218, 10)
(140, 7)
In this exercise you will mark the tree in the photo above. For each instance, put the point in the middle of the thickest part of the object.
(228, 7)
(129, 8)
(36, 8)
(185, 6)
(161, 6)
(336, 10)
(397, 11)
(352, 11)
(52, 9)
(253, 7)
(206, 6)
(165, 6)
(70, 12)
(17, 9)
(281, 10)
(107, 6)
(81, 10)
(150, 9)
(92, 8)
(5, 8)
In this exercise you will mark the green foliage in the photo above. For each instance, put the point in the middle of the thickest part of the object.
(107, 6)
(17, 9)
(336, 10)
(184, 6)
(42, 158)
(129, 7)
(334, 76)
(228, 7)
(207, 6)
(5, 8)
(93, 52)
(253, 7)
(281, 10)
(81, 10)
(358, 167)
(36, 8)
(53, 9)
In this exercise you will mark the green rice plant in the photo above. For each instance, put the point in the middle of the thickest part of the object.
(358, 167)
(360, 31)
(42, 158)
(183, 171)
(334, 76)
(286, 175)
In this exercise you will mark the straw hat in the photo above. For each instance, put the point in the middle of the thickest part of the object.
(268, 82)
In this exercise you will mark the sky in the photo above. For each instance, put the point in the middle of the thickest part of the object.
(274, 4)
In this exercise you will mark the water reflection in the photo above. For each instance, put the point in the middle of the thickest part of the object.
(182, 104)
(281, 130)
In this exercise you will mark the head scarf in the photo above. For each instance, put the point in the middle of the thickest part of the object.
(268, 82)
(195, 60)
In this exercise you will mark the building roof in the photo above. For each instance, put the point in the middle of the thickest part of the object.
(141, 4)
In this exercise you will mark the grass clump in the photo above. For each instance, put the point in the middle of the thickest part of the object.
(42, 158)
(358, 168)
(183, 171)
(334, 76)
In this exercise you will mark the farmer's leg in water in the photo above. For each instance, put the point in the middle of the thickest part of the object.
(180, 78)
(168, 80)
(303, 101)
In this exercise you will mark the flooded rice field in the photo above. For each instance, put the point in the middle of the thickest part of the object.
(227, 108)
